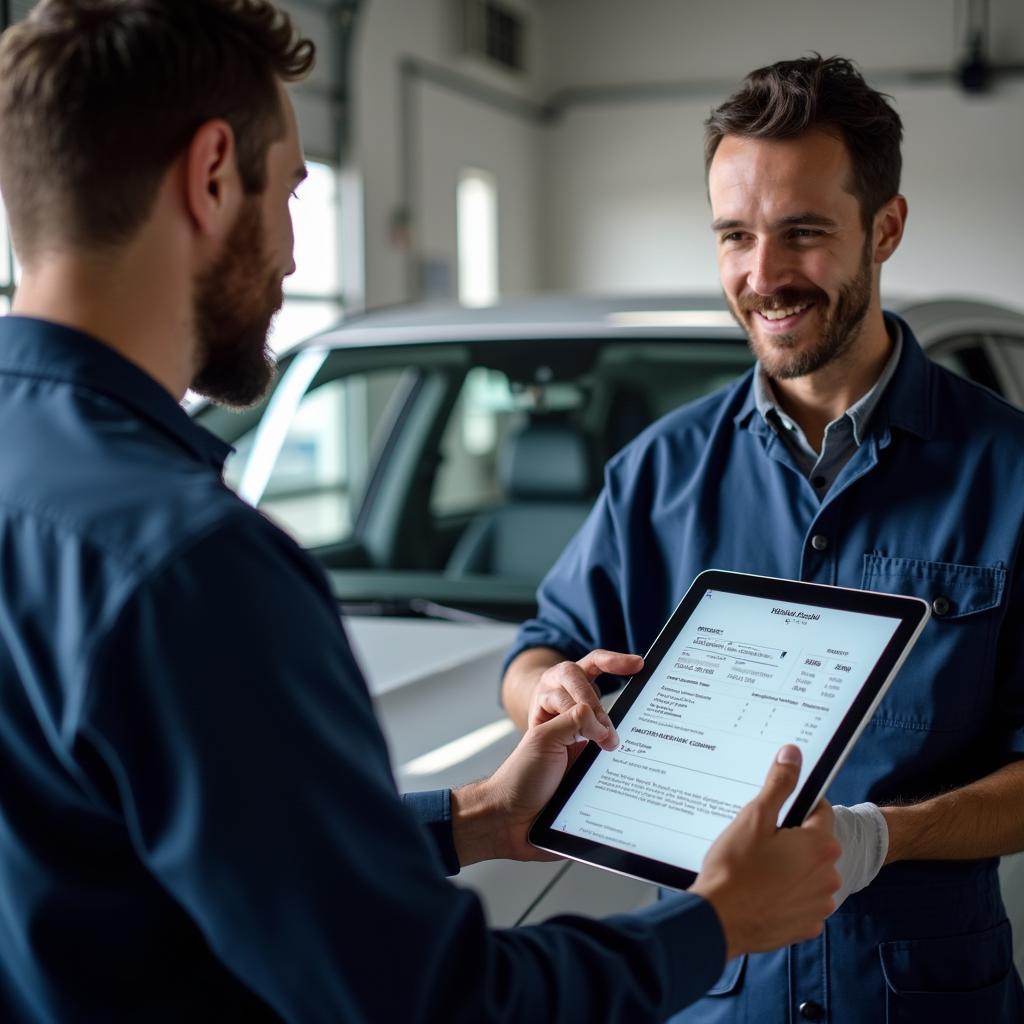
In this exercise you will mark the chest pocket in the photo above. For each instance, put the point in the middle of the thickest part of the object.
(946, 682)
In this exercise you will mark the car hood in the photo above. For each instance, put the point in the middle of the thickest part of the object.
(435, 687)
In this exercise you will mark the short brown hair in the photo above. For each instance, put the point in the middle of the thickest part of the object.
(793, 97)
(98, 98)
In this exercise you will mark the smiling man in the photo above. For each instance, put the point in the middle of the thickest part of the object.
(844, 457)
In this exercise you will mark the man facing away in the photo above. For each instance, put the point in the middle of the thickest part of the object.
(845, 457)
(197, 816)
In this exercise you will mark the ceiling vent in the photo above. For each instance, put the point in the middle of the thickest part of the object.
(495, 32)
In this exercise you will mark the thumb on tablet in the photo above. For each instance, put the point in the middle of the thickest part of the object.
(780, 782)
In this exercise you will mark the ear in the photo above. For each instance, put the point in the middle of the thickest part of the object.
(888, 227)
(213, 187)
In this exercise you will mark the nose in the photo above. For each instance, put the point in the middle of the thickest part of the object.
(770, 269)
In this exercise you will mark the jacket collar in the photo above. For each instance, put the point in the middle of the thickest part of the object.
(905, 404)
(50, 351)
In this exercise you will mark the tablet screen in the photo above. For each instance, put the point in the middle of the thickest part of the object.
(744, 676)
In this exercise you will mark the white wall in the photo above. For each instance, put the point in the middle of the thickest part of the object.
(610, 197)
(624, 201)
(964, 181)
(452, 132)
(461, 135)
(598, 41)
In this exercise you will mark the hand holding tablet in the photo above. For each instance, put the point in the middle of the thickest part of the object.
(768, 887)
(744, 665)
(772, 886)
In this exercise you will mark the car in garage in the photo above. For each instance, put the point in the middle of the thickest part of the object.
(435, 460)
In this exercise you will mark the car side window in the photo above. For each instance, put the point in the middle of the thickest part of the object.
(1011, 350)
(488, 408)
(639, 382)
(967, 357)
(321, 465)
(483, 413)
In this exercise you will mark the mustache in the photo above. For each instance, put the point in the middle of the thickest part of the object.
(784, 298)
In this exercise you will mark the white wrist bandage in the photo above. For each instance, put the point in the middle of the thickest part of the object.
(864, 837)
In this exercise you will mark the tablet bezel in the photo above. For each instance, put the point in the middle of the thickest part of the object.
(913, 613)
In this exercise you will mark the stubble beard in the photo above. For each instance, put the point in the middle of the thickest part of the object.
(778, 354)
(235, 302)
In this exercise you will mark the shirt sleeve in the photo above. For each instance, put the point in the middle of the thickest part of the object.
(254, 783)
(433, 810)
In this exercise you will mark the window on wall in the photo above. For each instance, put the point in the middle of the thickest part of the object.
(312, 295)
(477, 229)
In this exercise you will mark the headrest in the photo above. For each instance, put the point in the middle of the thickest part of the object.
(547, 461)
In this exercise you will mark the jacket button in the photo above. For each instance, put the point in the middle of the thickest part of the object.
(819, 543)
(941, 605)
(812, 1010)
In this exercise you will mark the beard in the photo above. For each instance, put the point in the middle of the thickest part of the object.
(235, 302)
(780, 355)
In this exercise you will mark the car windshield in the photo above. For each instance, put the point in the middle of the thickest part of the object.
(445, 478)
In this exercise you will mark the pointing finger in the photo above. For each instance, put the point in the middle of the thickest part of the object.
(598, 662)
(579, 723)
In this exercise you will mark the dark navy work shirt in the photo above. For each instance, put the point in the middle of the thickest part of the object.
(197, 816)
(930, 503)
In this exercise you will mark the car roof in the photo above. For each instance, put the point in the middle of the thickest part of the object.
(704, 317)
(539, 317)
(951, 316)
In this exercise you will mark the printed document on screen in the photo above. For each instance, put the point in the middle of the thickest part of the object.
(745, 676)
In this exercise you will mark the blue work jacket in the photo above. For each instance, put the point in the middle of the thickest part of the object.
(930, 504)
(198, 820)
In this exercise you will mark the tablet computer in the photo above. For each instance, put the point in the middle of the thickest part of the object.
(744, 665)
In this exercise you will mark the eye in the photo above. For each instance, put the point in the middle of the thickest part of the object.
(732, 236)
(806, 233)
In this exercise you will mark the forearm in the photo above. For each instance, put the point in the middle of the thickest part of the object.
(521, 680)
(982, 819)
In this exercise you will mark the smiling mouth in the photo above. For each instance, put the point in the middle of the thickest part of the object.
(773, 315)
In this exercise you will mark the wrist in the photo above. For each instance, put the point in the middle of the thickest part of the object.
(896, 820)
(476, 827)
(515, 699)
(719, 904)
(522, 679)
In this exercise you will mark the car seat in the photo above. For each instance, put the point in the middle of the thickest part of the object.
(545, 471)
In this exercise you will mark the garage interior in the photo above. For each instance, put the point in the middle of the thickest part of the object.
(475, 152)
